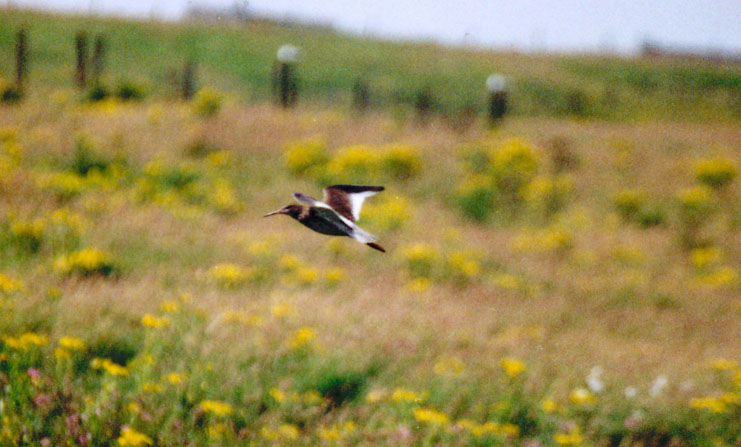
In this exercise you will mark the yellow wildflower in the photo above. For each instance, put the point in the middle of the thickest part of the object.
(449, 366)
(722, 364)
(374, 396)
(109, 367)
(26, 340)
(430, 415)
(549, 405)
(216, 431)
(581, 396)
(302, 337)
(511, 366)
(282, 310)
(175, 378)
(132, 438)
(229, 275)
(72, 343)
(215, 407)
(153, 322)
(9, 285)
(170, 306)
(289, 431)
(405, 395)
(712, 404)
(278, 395)
(573, 437)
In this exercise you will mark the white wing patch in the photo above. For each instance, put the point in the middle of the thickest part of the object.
(356, 201)
(358, 233)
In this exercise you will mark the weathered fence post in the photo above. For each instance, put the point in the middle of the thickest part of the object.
(81, 52)
(98, 61)
(496, 85)
(284, 77)
(360, 95)
(21, 59)
(423, 103)
(188, 83)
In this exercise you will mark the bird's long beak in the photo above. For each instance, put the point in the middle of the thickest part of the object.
(280, 211)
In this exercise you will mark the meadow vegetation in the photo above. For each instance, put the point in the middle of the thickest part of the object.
(552, 281)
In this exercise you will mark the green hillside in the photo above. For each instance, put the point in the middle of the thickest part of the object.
(238, 58)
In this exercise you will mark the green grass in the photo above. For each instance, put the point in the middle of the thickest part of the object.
(238, 58)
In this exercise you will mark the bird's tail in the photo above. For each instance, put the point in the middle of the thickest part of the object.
(376, 246)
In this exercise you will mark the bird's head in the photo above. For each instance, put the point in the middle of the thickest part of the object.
(292, 210)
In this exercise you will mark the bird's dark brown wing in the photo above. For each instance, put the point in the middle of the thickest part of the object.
(346, 200)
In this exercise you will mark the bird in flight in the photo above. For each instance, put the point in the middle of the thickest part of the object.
(336, 214)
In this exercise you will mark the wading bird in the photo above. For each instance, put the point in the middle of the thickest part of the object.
(336, 215)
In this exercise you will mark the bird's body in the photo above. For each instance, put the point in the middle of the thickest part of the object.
(336, 215)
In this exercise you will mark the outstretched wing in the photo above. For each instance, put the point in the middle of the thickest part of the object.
(348, 199)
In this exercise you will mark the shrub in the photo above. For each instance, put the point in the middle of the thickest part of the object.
(98, 92)
(306, 157)
(127, 91)
(86, 262)
(353, 164)
(629, 202)
(475, 198)
(716, 173)
(86, 159)
(207, 102)
(400, 161)
(420, 259)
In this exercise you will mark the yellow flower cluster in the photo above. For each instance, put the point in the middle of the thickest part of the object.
(406, 395)
(64, 185)
(430, 415)
(207, 102)
(216, 407)
(89, 261)
(132, 438)
(71, 343)
(449, 366)
(581, 396)
(716, 173)
(462, 266)
(487, 428)
(554, 239)
(154, 322)
(302, 338)
(572, 437)
(351, 164)
(629, 202)
(9, 285)
(694, 201)
(512, 366)
(337, 432)
(110, 367)
(420, 259)
(25, 340)
(223, 198)
(711, 404)
(705, 257)
(230, 275)
(389, 214)
(284, 431)
(305, 157)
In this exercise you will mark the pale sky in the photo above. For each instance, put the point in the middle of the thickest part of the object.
(565, 25)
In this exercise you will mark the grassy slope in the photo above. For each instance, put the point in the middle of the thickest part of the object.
(626, 298)
(239, 58)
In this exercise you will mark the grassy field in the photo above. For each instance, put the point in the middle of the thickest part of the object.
(239, 57)
(552, 281)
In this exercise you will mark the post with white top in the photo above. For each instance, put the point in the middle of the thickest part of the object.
(496, 86)
(285, 85)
